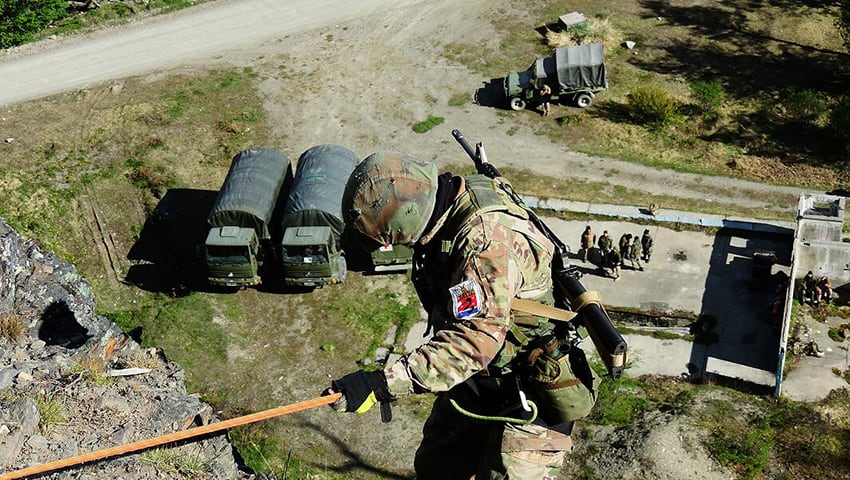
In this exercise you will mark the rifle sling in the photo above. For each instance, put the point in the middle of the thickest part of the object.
(537, 309)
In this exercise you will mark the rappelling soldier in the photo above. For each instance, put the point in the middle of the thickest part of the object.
(497, 372)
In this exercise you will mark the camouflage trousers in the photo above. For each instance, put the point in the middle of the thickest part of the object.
(456, 447)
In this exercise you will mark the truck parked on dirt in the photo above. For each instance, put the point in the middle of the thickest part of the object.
(243, 216)
(311, 251)
(575, 74)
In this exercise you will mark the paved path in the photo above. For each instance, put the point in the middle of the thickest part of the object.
(189, 36)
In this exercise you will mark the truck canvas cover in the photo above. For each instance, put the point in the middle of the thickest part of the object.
(581, 66)
(315, 198)
(250, 191)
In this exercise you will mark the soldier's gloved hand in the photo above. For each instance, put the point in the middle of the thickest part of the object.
(361, 390)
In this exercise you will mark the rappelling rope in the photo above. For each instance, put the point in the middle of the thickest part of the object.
(172, 437)
(497, 418)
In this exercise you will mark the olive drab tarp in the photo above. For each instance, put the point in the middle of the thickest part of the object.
(315, 198)
(581, 66)
(251, 190)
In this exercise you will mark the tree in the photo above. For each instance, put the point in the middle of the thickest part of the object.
(20, 19)
(842, 21)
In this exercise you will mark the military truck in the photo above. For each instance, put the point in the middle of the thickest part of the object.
(575, 74)
(311, 251)
(242, 218)
(392, 258)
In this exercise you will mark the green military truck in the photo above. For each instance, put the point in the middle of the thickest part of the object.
(392, 258)
(242, 217)
(575, 74)
(311, 251)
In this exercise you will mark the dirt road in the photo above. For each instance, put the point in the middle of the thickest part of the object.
(356, 73)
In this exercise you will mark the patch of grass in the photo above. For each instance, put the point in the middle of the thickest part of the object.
(428, 124)
(373, 315)
(51, 412)
(11, 327)
(173, 462)
(527, 183)
(185, 330)
(459, 99)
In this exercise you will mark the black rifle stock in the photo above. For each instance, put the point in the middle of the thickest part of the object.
(609, 343)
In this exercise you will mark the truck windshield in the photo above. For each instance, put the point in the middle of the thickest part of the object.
(230, 255)
(305, 254)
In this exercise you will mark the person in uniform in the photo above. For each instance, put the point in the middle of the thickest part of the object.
(606, 243)
(646, 243)
(545, 98)
(625, 242)
(588, 240)
(613, 261)
(635, 253)
(475, 253)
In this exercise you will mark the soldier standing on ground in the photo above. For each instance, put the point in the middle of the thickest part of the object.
(612, 262)
(635, 253)
(545, 98)
(625, 240)
(588, 239)
(605, 243)
(475, 251)
(646, 242)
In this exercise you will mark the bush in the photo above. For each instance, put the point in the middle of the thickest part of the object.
(23, 18)
(708, 94)
(805, 106)
(651, 106)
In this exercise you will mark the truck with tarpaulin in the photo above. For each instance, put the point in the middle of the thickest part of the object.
(242, 218)
(575, 74)
(311, 251)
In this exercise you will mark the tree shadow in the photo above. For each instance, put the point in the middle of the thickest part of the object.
(355, 462)
(721, 46)
(166, 252)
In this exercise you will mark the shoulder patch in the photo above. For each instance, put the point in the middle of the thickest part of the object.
(466, 299)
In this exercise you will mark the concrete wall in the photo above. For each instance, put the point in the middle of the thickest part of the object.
(817, 247)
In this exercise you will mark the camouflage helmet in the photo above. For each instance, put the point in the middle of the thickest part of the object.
(390, 197)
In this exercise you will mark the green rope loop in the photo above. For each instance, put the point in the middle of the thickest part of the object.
(515, 421)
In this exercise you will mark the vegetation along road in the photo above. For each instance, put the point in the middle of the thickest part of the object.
(227, 31)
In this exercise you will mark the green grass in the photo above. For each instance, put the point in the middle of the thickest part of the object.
(51, 412)
(431, 122)
(372, 314)
(175, 463)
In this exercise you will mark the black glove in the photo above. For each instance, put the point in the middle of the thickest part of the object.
(361, 390)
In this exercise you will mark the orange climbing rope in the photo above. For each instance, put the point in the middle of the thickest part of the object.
(172, 437)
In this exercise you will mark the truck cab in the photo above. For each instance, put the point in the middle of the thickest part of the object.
(232, 256)
(311, 257)
(392, 258)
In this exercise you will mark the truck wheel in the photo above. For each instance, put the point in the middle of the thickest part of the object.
(517, 103)
(583, 100)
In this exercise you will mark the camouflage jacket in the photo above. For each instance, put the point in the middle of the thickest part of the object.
(483, 252)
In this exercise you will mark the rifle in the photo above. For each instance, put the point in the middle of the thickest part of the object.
(568, 289)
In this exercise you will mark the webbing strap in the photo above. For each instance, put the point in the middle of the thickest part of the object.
(553, 313)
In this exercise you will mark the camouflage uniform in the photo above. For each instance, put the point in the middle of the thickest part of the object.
(488, 256)
(625, 241)
(588, 239)
(635, 253)
(646, 242)
(606, 243)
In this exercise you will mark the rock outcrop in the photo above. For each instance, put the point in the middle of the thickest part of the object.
(71, 382)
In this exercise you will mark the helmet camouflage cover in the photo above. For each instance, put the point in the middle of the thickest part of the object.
(390, 197)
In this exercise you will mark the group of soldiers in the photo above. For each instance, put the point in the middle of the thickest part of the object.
(631, 248)
(816, 289)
